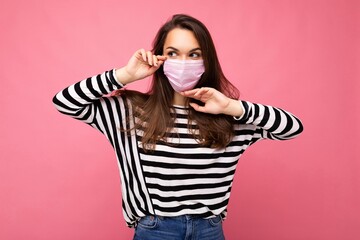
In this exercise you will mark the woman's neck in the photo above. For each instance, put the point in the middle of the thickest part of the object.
(179, 99)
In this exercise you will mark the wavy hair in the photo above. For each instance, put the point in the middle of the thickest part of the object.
(154, 110)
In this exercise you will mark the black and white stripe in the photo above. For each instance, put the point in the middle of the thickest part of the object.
(179, 176)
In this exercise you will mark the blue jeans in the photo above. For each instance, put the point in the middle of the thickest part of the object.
(186, 227)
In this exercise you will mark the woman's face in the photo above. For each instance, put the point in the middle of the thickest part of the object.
(181, 44)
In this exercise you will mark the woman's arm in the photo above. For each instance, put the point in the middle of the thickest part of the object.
(275, 122)
(78, 100)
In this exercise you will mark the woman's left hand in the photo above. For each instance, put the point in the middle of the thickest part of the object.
(214, 102)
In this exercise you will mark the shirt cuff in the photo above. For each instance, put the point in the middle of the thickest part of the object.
(116, 81)
(243, 114)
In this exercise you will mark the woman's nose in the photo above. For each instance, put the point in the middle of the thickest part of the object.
(183, 57)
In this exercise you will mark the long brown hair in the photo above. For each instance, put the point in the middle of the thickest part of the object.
(155, 110)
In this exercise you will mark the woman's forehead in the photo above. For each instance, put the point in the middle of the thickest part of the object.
(181, 39)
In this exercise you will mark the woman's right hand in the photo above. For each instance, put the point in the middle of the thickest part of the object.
(141, 65)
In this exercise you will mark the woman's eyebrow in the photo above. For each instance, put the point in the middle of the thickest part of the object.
(175, 49)
(192, 50)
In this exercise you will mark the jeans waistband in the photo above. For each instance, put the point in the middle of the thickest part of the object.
(186, 217)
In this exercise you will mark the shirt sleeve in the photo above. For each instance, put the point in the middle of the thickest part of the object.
(271, 122)
(81, 99)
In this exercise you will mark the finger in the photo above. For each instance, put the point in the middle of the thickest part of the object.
(160, 57)
(143, 54)
(190, 92)
(201, 91)
(197, 107)
(149, 58)
(155, 61)
(160, 62)
(157, 66)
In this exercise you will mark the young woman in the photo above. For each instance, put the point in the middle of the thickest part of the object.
(177, 145)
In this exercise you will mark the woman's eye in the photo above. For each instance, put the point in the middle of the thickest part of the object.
(194, 55)
(171, 54)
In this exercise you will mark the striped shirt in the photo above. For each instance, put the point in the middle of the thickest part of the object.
(177, 178)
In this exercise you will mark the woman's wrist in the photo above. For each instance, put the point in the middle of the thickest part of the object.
(122, 76)
(234, 109)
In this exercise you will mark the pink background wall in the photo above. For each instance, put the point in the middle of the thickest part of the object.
(59, 178)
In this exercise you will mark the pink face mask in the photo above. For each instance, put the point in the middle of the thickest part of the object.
(183, 74)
